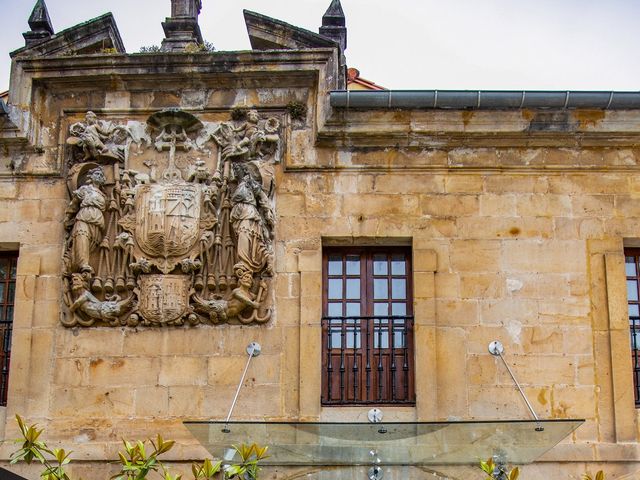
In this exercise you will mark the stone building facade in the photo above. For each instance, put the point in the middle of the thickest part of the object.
(513, 210)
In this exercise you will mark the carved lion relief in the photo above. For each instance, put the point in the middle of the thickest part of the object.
(170, 221)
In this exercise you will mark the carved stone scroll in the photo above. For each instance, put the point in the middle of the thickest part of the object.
(189, 240)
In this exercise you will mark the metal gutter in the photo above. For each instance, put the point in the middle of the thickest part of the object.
(483, 99)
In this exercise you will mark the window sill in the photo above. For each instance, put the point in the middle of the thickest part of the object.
(401, 413)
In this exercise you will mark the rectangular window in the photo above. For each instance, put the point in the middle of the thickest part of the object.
(8, 262)
(632, 269)
(367, 326)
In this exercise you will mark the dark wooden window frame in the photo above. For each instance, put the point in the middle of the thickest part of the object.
(633, 301)
(7, 301)
(373, 363)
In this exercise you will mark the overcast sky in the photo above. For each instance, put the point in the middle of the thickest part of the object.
(407, 44)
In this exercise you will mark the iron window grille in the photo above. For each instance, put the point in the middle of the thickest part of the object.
(367, 327)
(8, 262)
(632, 270)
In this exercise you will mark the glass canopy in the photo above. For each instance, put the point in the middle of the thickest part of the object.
(421, 443)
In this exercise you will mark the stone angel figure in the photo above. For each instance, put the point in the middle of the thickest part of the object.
(246, 141)
(99, 138)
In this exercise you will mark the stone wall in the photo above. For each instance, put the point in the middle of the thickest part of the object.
(518, 237)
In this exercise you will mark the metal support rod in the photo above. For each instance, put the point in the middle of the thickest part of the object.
(253, 350)
(496, 349)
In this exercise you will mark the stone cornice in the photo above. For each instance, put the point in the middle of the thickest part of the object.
(419, 129)
(175, 64)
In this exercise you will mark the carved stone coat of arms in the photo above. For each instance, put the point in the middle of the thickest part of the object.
(171, 220)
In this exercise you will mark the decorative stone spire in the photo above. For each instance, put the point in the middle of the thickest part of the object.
(334, 24)
(40, 24)
(182, 29)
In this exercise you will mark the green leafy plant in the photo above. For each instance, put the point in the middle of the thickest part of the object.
(150, 49)
(599, 476)
(137, 463)
(137, 460)
(53, 460)
(199, 47)
(250, 456)
(297, 110)
(497, 472)
(207, 470)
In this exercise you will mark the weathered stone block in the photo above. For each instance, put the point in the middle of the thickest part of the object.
(475, 255)
(183, 371)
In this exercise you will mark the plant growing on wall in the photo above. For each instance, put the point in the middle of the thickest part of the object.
(54, 460)
(599, 476)
(137, 463)
(138, 459)
(496, 471)
(248, 468)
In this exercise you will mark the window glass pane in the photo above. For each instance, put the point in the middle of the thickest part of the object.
(398, 265)
(4, 267)
(9, 314)
(630, 266)
(398, 338)
(335, 265)
(380, 265)
(353, 309)
(635, 335)
(398, 288)
(399, 333)
(380, 288)
(399, 309)
(634, 311)
(334, 309)
(381, 309)
(335, 338)
(2, 292)
(632, 290)
(380, 337)
(353, 288)
(353, 265)
(5, 332)
(335, 288)
(11, 295)
(353, 334)
(335, 334)
(14, 268)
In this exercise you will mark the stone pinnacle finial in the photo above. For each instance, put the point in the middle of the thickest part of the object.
(334, 24)
(182, 29)
(40, 24)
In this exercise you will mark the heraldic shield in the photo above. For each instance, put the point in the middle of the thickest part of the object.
(164, 298)
(167, 222)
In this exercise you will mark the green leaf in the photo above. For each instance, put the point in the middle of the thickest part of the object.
(32, 434)
(21, 425)
(165, 446)
(261, 452)
(487, 467)
(234, 470)
(212, 468)
(140, 447)
(515, 473)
